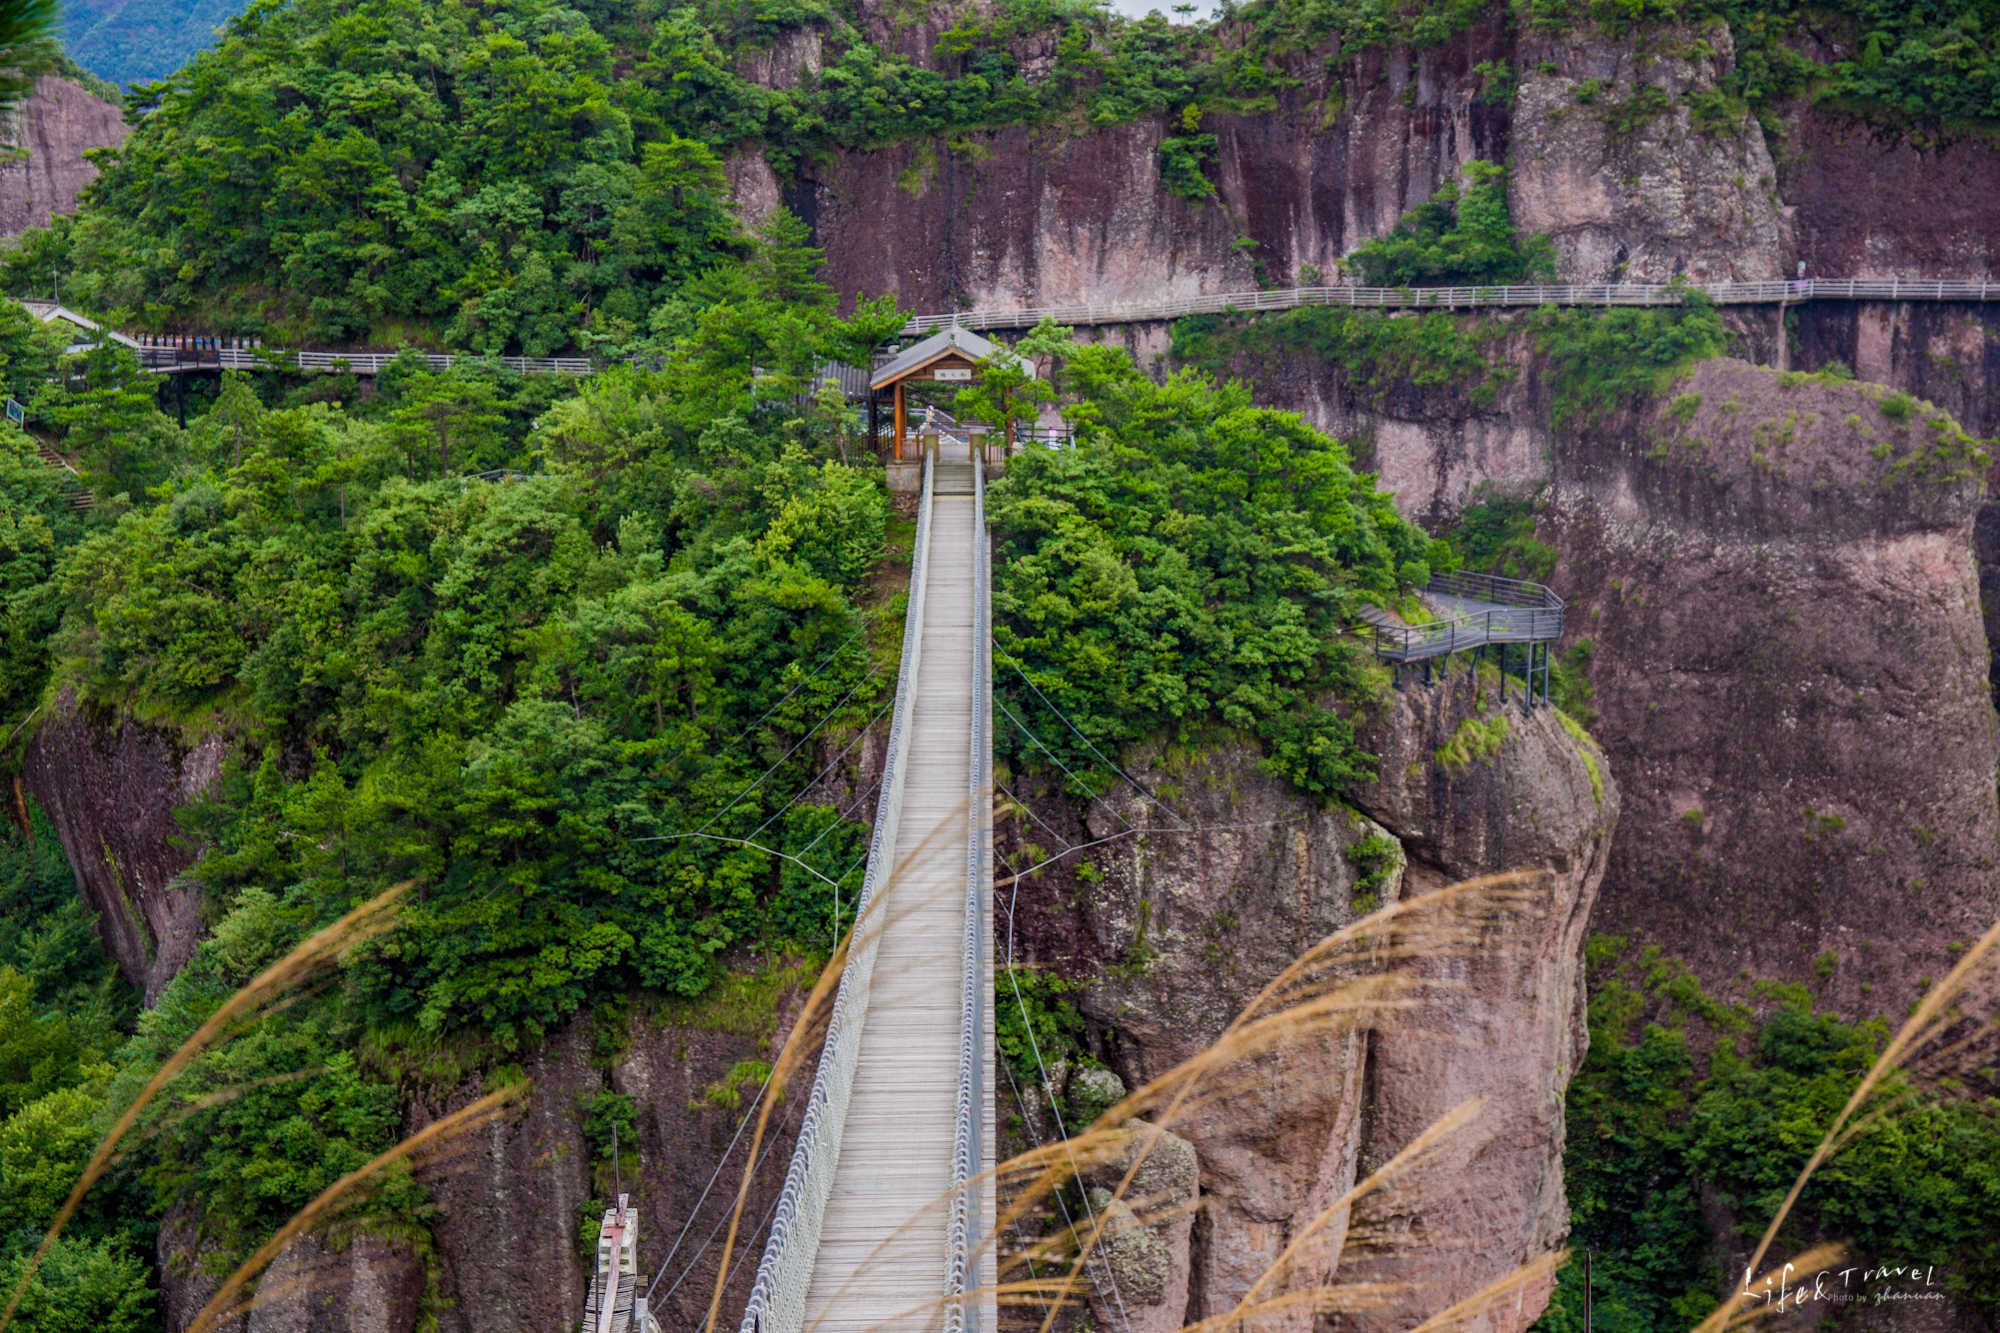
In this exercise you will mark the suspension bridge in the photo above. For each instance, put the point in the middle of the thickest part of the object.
(884, 1222)
(881, 1219)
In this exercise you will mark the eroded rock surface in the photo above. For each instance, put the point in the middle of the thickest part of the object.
(1025, 216)
(1509, 1026)
(510, 1205)
(356, 1284)
(1147, 1231)
(1879, 203)
(1778, 579)
(1176, 930)
(111, 785)
(57, 126)
(1612, 165)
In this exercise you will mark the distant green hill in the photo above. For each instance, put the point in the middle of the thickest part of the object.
(139, 41)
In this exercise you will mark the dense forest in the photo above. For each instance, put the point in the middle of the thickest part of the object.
(559, 649)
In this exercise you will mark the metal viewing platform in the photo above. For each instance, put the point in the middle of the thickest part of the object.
(1481, 611)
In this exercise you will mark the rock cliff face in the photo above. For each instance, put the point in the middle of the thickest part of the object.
(1023, 217)
(1514, 1033)
(1792, 673)
(1873, 203)
(1946, 352)
(1175, 931)
(1610, 163)
(511, 1205)
(110, 786)
(1608, 159)
(56, 126)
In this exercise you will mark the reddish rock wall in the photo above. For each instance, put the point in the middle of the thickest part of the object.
(1876, 203)
(1791, 672)
(1023, 217)
(1179, 930)
(510, 1205)
(57, 126)
(111, 785)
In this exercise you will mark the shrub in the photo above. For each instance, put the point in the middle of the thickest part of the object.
(1188, 566)
(1459, 237)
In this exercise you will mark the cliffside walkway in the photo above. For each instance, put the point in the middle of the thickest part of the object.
(881, 1222)
(182, 354)
(1465, 298)
(1481, 611)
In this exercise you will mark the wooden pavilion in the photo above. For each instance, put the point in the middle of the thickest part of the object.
(951, 356)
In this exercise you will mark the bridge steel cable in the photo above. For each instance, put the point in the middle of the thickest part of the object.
(778, 1295)
(972, 1132)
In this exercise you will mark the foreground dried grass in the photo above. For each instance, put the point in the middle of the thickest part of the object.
(1344, 984)
(318, 954)
(1935, 1037)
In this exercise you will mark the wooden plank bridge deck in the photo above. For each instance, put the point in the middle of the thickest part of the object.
(902, 1105)
(882, 1256)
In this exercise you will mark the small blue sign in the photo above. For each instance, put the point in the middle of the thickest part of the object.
(15, 412)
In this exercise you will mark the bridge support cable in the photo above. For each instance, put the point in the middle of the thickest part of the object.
(708, 1242)
(1100, 1272)
(777, 1301)
(971, 1264)
(1030, 683)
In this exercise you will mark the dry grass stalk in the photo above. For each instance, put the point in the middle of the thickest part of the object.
(1752, 1304)
(1494, 1294)
(1934, 1015)
(1401, 1164)
(221, 1306)
(320, 950)
(1311, 998)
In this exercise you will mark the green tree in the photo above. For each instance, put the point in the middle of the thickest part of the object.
(1458, 237)
(451, 420)
(38, 1054)
(44, 1147)
(1006, 393)
(83, 1286)
(1189, 566)
(106, 405)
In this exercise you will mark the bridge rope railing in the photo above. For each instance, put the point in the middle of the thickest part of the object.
(777, 1301)
(962, 1246)
(1455, 298)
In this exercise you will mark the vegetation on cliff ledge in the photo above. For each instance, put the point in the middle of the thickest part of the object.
(1687, 1126)
(1189, 566)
